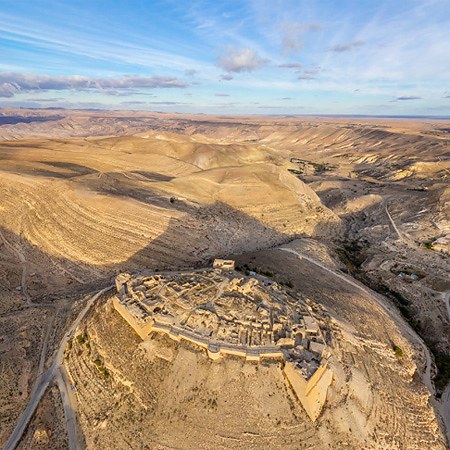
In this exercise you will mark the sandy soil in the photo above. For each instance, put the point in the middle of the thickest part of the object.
(86, 195)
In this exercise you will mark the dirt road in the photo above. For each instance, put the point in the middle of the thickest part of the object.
(69, 405)
(427, 374)
(44, 379)
(24, 265)
(445, 398)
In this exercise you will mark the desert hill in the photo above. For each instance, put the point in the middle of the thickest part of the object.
(230, 403)
(322, 206)
(100, 202)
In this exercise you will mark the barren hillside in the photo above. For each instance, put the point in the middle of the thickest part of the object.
(324, 206)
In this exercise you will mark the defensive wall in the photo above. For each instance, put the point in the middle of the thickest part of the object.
(215, 349)
(310, 392)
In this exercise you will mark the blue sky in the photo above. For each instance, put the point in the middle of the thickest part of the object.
(230, 57)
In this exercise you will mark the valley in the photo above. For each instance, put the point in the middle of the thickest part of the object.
(350, 215)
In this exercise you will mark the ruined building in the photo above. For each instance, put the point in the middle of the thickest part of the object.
(228, 314)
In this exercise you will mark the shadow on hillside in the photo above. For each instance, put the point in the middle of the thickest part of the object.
(12, 120)
(126, 185)
(193, 240)
(46, 169)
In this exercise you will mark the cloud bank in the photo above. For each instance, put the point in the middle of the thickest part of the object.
(16, 83)
(408, 97)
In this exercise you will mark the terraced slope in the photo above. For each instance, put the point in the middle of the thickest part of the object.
(98, 205)
(172, 395)
(78, 206)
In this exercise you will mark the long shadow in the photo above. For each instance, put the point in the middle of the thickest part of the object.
(77, 169)
(45, 170)
(201, 234)
(124, 185)
(12, 120)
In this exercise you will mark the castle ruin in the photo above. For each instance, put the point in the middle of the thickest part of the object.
(226, 313)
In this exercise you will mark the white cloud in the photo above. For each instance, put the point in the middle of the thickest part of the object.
(293, 35)
(240, 60)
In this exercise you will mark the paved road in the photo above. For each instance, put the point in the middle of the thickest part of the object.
(69, 406)
(44, 380)
(443, 407)
(446, 296)
(445, 400)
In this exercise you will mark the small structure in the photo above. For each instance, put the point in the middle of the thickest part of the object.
(227, 264)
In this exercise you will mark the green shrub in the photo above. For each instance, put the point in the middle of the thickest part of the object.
(442, 361)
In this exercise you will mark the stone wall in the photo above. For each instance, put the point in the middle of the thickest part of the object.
(312, 393)
(215, 350)
(142, 330)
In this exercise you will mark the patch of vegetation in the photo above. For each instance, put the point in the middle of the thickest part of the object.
(442, 361)
(397, 350)
(101, 368)
(267, 273)
(428, 245)
(104, 371)
(212, 402)
(82, 338)
(303, 164)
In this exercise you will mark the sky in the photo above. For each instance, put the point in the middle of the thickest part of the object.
(283, 57)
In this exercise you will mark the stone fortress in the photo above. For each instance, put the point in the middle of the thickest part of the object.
(227, 313)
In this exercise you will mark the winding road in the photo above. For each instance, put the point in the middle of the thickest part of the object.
(44, 380)
(443, 407)
(69, 405)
